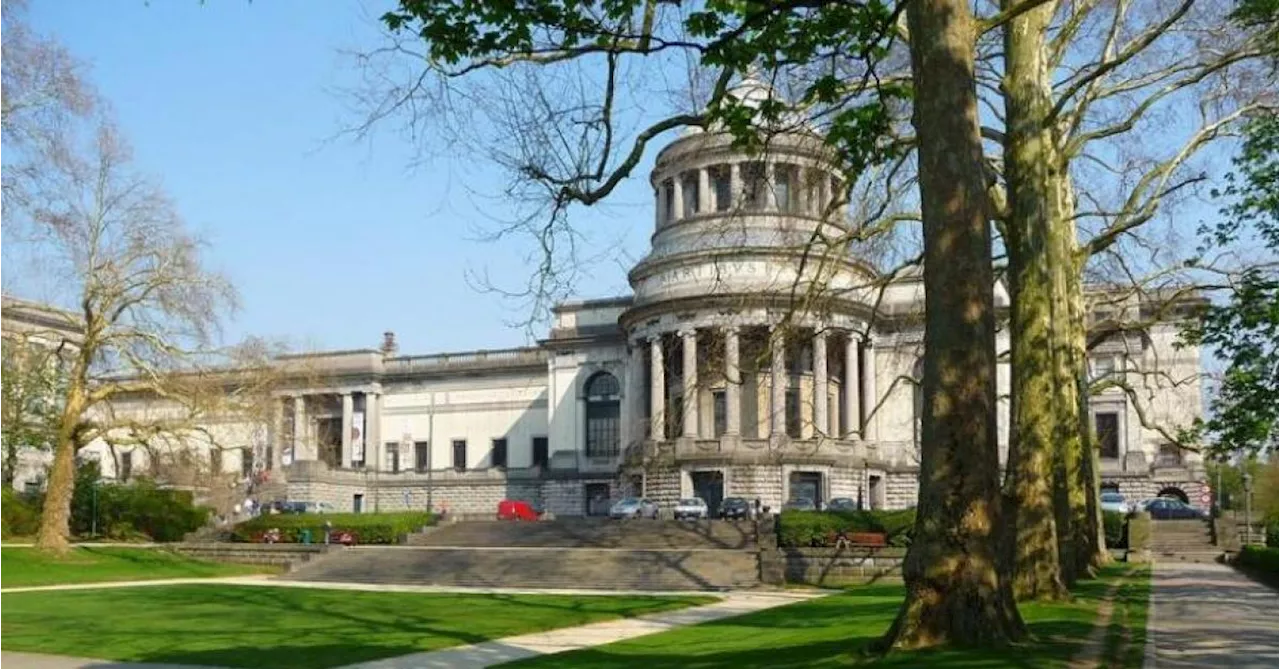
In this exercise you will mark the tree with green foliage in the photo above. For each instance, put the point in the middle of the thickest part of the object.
(32, 384)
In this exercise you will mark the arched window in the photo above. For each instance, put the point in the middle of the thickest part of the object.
(603, 395)
(917, 401)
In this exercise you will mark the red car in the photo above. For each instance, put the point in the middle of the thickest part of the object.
(515, 509)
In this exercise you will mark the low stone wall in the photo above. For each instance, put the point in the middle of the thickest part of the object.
(287, 556)
(832, 566)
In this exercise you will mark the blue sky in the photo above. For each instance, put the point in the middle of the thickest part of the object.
(231, 105)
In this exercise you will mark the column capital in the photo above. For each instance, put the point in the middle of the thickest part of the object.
(689, 331)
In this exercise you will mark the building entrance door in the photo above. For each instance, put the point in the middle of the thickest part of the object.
(597, 498)
(710, 487)
(807, 485)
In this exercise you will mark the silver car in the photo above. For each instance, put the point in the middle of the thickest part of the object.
(1114, 501)
(633, 507)
(691, 508)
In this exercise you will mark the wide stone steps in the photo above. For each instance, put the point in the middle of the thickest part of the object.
(1183, 541)
(589, 568)
(592, 533)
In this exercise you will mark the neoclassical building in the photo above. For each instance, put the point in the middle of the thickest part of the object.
(756, 357)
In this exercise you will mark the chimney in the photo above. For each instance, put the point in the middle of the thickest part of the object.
(389, 346)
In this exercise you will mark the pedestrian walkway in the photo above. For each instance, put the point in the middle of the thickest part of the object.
(12, 660)
(563, 640)
(1209, 615)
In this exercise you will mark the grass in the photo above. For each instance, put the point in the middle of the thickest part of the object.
(263, 626)
(835, 631)
(1126, 636)
(20, 567)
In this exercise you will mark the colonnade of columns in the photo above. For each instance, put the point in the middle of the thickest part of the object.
(808, 190)
(298, 443)
(859, 386)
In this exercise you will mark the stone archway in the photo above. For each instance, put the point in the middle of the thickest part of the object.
(1175, 492)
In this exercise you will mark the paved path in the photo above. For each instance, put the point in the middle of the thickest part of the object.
(1209, 615)
(574, 638)
(12, 660)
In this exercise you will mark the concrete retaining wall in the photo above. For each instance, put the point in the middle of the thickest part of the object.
(832, 566)
(287, 556)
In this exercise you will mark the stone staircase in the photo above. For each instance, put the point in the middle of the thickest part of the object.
(1183, 540)
(571, 553)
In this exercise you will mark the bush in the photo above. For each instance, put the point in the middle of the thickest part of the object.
(142, 508)
(1113, 526)
(798, 529)
(20, 514)
(1260, 563)
(367, 528)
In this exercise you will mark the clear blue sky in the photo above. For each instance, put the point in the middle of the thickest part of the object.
(231, 103)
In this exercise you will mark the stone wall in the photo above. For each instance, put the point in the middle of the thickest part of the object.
(838, 566)
(763, 482)
(902, 489)
(282, 555)
(662, 485)
(846, 482)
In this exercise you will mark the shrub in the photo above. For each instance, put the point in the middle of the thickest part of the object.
(797, 529)
(367, 528)
(143, 509)
(1113, 526)
(20, 514)
(1259, 562)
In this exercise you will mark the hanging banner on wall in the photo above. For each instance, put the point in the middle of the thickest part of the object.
(357, 436)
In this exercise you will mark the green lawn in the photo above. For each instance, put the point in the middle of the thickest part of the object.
(1127, 634)
(21, 567)
(835, 632)
(264, 626)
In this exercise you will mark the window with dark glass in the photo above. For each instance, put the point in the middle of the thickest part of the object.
(668, 201)
(689, 190)
(393, 456)
(421, 456)
(215, 461)
(540, 451)
(604, 401)
(793, 413)
(1169, 456)
(460, 454)
(782, 187)
(246, 462)
(719, 412)
(754, 183)
(126, 466)
(1107, 429)
(498, 458)
(724, 189)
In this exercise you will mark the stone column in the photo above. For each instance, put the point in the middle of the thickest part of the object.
(633, 406)
(852, 403)
(657, 394)
(657, 206)
(820, 422)
(733, 384)
(778, 384)
(277, 435)
(704, 190)
(677, 184)
(689, 349)
(735, 185)
(348, 404)
(373, 451)
(299, 426)
(869, 396)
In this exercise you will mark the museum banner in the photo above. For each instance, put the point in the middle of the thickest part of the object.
(357, 436)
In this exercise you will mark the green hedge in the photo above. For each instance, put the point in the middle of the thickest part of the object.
(1113, 527)
(797, 529)
(1259, 562)
(21, 514)
(367, 528)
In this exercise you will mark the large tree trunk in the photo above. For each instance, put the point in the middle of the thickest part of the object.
(55, 518)
(957, 582)
(1029, 164)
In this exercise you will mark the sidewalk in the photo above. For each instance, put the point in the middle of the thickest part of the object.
(586, 636)
(1208, 615)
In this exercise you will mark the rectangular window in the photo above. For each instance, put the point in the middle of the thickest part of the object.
(215, 461)
(246, 462)
(1169, 456)
(1104, 368)
(603, 428)
(719, 412)
(1107, 429)
(540, 451)
(689, 190)
(460, 454)
(499, 456)
(668, 201)
(126, 466)
(724, 189)
(876, 492)
(753, 183)
(782, 187)
(793, 413)
(420, 456)
(393, 456)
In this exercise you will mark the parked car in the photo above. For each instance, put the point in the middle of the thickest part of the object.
(1165, 508)
(633, 507)
(691, 508)
(1114, 501)
(842, 504)
(735, 508)
(800, 504)
(516, 509)
(301, 507)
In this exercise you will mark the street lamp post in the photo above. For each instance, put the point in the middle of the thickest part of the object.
(1248, 509)
(431, 442)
